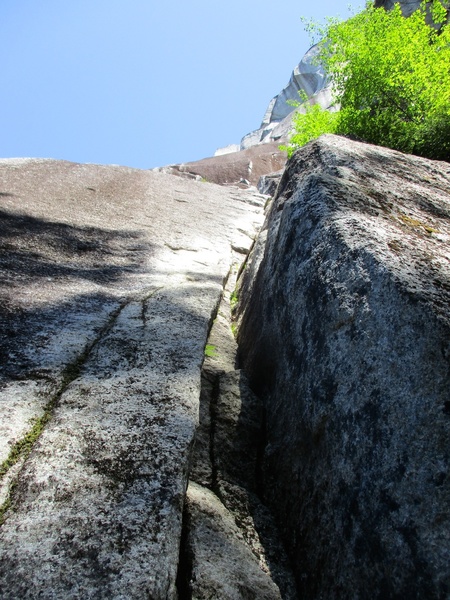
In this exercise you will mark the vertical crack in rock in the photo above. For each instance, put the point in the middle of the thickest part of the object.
(184, 572)
(230, 545)
(213, 408)
(143, 299)
(208, 389)
(20, 451)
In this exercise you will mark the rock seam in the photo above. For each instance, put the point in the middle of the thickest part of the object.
(24, 446)
(256, 529)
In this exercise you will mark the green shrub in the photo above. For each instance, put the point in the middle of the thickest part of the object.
(391, 78)
(310, 125)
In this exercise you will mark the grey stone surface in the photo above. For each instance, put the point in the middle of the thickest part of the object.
(223, 565)
(110, 278)
(345, 334)
(226, 460)
(308, 78)
(268, 184)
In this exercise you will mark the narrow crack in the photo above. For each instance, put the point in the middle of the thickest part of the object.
(242, 498)
(23, 447)
(185, 559)
(144, 306)
(184, 571)
(214, 398)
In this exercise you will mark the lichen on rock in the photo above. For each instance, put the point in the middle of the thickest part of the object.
(345, 334)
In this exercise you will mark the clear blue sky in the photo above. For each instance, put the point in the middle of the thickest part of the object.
(143, 83)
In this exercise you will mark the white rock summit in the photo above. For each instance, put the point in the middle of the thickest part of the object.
(309, 78)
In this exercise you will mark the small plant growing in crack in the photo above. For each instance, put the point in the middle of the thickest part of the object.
(234, 299)
(211, 351)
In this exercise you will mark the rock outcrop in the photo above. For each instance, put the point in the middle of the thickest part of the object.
(110, 280)
(308, 78)
(144, 455)
(233, 168)
(345, 335)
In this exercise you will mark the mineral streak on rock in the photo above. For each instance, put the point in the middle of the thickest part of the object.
(345, 334)
(109, 280)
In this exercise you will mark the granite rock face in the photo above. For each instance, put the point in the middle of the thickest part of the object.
(345, 336)
(242, 168)
(110, 279)
(308, 78)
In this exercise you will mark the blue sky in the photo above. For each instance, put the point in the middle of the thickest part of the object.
(143, 83)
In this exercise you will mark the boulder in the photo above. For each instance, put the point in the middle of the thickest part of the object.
(344, 334)
(221, 563)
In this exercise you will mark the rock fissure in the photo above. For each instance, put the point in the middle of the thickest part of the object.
(184, 570)
(213, 401)
(23, 447)
(224, 515)
(143, 299)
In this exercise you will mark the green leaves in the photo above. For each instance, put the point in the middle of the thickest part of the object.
(310, 125)
(211, 351)
(438, 12)
(391, 78)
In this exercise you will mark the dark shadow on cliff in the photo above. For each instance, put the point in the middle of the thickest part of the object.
(239, 445)
(34, 248)
(68, 269)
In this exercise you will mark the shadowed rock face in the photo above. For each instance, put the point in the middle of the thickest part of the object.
(110, 278)
(345, 335)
